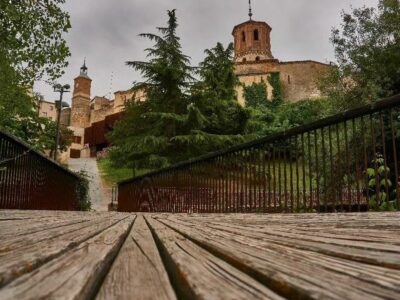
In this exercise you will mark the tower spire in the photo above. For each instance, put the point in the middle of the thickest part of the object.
(250, 11)
(84, 68)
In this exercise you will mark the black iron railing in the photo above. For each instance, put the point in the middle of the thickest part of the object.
(347, 162)
(29, 180)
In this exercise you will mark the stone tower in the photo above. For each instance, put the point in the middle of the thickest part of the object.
(80, 108)
(252, 41)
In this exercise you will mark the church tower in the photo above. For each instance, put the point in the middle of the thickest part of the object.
(252, 40)
(80, 108)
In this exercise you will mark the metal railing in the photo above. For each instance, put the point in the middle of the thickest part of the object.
(29, 180)
(347, 162)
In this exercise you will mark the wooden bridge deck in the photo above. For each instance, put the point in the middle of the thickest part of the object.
(60, 255)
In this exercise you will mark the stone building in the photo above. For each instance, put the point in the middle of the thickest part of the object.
(91, 118)
(48, 110)
(254, 63)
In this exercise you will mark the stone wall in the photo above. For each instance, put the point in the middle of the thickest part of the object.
(100, 114)
(65, 117)
(80, 112)
(298, 79)
(47, 110)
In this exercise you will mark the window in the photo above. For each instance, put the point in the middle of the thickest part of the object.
(257, 58)
(288, 79)
(244, 60)
(77, 139)
(256, 35)
(51, 107)
(243, 36)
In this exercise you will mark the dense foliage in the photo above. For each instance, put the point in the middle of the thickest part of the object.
(182, 117)
(32, 46)
(255, 95)
(367, 48)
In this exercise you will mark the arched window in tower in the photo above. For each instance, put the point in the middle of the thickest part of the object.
(256, 34)
(243, 36)
(257, 58)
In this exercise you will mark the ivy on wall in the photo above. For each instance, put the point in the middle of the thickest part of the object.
(256, 95)
(275, 82)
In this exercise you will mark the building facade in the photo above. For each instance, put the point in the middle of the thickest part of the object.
(48, 110)
(91, 118)
(254, 63)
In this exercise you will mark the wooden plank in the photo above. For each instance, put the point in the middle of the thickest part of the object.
(197, 274)
(77, 273)
(14, 227)
(138, 270)
(31, 254)
(293, 272)
(368, 252)
(58, 230)
(311, 221)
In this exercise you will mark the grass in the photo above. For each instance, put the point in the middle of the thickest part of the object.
(112, 175)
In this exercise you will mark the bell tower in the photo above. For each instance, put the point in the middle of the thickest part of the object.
(252, 40)
(80, 108)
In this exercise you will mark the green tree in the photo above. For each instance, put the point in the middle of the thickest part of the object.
(215, 95)
(31, 34)
(182, 117)
(218, 78)
(367, 48)
(146, 137)
(32, 46)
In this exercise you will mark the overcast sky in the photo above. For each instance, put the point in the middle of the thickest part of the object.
(106, 32)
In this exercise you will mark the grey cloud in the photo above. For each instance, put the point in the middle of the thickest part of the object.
(106, 32)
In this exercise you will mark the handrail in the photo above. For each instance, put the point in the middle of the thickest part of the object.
(332, 120)
(30, 180)
(41, 155)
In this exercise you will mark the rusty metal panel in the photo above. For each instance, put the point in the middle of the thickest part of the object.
(344, 163)
(29, 180)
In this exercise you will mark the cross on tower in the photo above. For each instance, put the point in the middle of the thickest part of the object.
(250, 12)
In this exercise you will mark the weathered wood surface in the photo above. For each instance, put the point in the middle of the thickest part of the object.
(73, 255)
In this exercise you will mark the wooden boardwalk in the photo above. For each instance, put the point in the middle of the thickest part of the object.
(59, 255)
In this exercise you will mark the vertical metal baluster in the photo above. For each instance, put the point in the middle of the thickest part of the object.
(394, 134)
(279, 177)
(356, 159)
(250, 177)
(269, 177)
(297, 174)
(310, 170)
(260, 179)
(264, 178)
(274, 176)
(291, 175)
(317, 177)
(303, 158)
(377, 192)
(285, 191)
(382, 123)
(242, 176)
(340, 177)
(365, 156)
(324, 169)
(349, 186)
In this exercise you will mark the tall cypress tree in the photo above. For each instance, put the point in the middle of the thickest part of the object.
(181, 118)
(144, 138)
